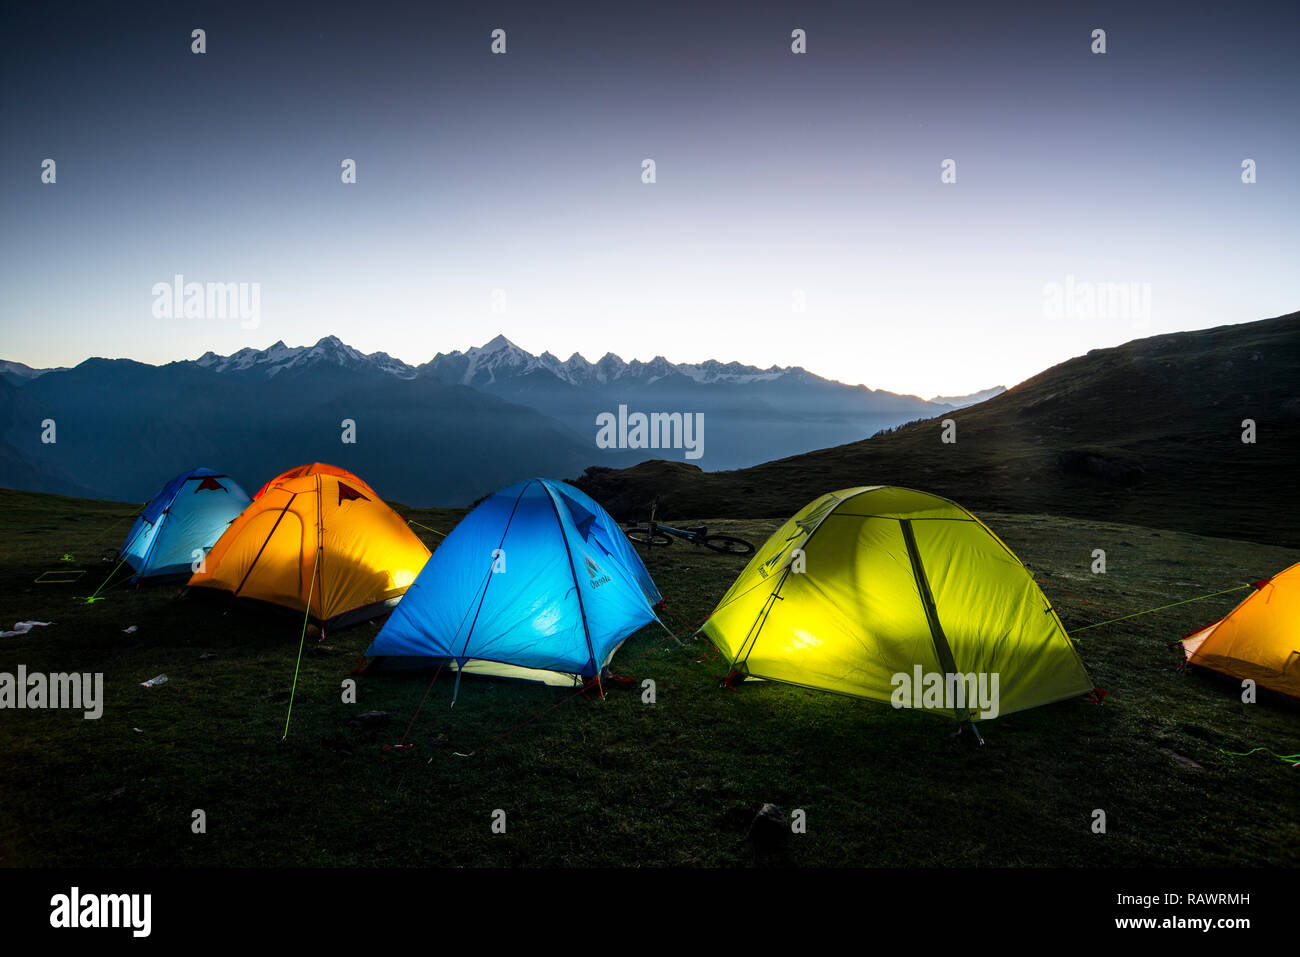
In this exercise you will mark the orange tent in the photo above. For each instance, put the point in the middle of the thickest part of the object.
(1259, 639)
(315, 468)
(322, 545)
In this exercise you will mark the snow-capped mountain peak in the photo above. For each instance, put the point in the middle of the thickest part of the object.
(497, 343)
(484, 365)
(278, 358)
(499, 365)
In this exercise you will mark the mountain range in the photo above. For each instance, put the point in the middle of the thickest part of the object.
(1192, 431)
(500, 362)
(444, 432)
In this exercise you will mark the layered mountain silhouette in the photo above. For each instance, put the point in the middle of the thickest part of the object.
(750, 414)
(124, 427)
(445, 432)
(1148, 433)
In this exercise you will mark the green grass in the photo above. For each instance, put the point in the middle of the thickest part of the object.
(619, 782)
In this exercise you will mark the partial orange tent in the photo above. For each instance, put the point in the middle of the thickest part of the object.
(321, 541)
(1259, 639)
(315, 468)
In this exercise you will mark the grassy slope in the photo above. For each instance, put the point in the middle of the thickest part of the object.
(619, 782)
(1146, 433)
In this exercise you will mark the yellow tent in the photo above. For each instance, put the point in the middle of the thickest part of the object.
(1259, 639)
(318, 539)
(899, 596)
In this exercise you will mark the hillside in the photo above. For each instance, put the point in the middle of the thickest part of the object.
(1146, 433)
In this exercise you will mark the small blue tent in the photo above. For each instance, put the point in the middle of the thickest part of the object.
(190, 513)
(537, 582)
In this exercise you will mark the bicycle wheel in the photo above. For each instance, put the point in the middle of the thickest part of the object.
(638, 534)
(729, 545)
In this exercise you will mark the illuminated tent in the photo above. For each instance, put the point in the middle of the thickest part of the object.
(867, 584)
(180, 523)
(321, 541)
(317, 468)
(1259, 639)
(537, 582)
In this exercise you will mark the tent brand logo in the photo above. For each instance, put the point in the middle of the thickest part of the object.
(37, 691)
(74, 909)
(798, 563)
(656, 430)
(770, 565)
(179, 299)
(976, 691)
(594, 573)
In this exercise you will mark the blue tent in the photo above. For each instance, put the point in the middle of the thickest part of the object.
(190, 513)
(537, 582)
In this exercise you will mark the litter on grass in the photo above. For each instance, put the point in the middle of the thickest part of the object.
(22, 627)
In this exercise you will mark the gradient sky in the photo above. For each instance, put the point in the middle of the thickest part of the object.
(776, 172)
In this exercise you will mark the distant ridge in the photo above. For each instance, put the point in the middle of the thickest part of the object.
(1148, 433)
(751, 414)
(975, 398)
(279, 358)
(499, 360)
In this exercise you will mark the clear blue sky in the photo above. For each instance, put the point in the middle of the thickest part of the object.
(776, 172)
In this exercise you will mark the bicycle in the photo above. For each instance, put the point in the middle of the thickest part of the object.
(652, 533)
